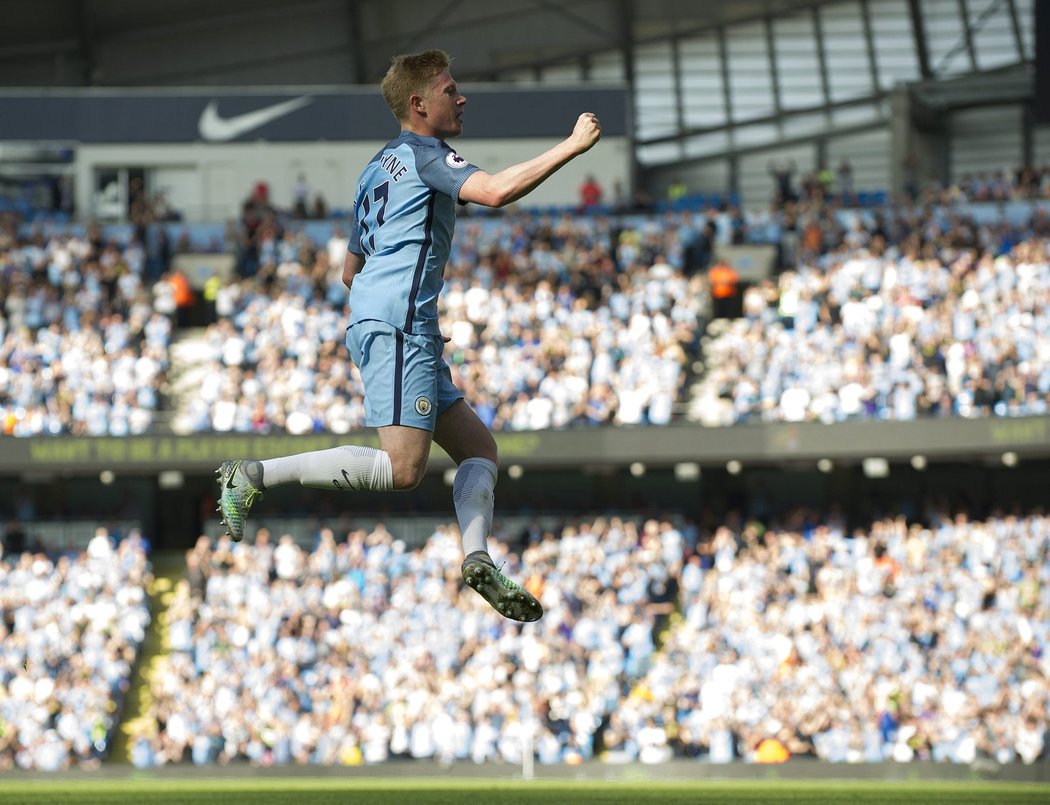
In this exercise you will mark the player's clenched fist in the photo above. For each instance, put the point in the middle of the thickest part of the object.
(587, 132)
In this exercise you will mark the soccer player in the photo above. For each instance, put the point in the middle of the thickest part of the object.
(404, 217)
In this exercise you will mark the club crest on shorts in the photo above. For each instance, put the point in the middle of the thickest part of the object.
(454, 160)
(423, 406)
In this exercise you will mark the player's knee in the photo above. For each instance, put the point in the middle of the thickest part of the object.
(408, 474)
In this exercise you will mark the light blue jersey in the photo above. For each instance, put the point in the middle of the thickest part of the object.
(404, 217)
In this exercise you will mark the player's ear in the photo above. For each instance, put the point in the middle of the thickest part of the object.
(417, 103)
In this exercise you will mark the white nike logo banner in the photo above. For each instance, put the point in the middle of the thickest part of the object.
(280, 114)
(216, 129)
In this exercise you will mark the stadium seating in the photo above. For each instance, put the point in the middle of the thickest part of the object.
(870, 333)
(70, 632)
(545, 332)
(84, 335)
(362, 650)
(555, 321)
(895, 641)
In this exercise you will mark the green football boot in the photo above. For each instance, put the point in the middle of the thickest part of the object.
(507, 598)
(237, 493)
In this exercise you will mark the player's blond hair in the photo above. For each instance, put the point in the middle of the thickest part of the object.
(411, 74)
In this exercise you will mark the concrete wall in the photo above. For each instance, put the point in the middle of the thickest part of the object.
(208, 182)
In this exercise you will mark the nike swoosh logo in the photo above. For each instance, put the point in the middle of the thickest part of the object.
(229, 483)
(216, 129)
(347, 479)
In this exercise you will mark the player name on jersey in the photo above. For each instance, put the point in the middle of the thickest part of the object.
(394, 166)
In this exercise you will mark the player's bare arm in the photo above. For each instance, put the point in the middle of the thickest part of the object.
(510, 184)
(352, 266)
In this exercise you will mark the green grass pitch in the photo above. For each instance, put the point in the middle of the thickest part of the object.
(417, 791)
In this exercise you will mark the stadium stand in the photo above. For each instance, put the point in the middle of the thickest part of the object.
(361, 650)
(554, 320)
(84, 334)
(888, 333)
(70, 629)
(535, 325)
(807, 638)
(895, 642)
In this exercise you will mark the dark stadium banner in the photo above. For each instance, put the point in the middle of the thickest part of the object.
(285, 115)
(957, 439)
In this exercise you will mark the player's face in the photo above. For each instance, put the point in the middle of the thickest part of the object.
(445, 107)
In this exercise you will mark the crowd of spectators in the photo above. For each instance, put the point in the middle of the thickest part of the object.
(835, 185)
(363, 650)
(823, 184)
(1023, 183)
(900, 321)
(563, 320)
(84, 334)
(276, 359)
(553, 321)
(895, 642)
(70, 631)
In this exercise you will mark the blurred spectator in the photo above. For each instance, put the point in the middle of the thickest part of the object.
(895, 641)
(677, 190)
(555, 321)
(724, 282)
(590, 194)
(846, 192)
(300, 197)
(783, 183)
(183, 296)
(1025, 182)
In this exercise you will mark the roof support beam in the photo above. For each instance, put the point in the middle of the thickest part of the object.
(822, 56)
(686, 32)
(964, 13)
(780, 142)
(679, 90)
(869, 43)
(1015, 24)
(625, 35)
(918, 28)
(587, 23)
(85, 33)
(871, 100)
(774, 72)
(411, 40)
(358, 62)
(727, 90)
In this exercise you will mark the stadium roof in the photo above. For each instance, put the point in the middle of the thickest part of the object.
(710, 83)
(131, 43)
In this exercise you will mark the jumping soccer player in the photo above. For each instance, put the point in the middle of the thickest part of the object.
(404, 217)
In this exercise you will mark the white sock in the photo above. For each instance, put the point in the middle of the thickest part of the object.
(346, 468)
(472, 494)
